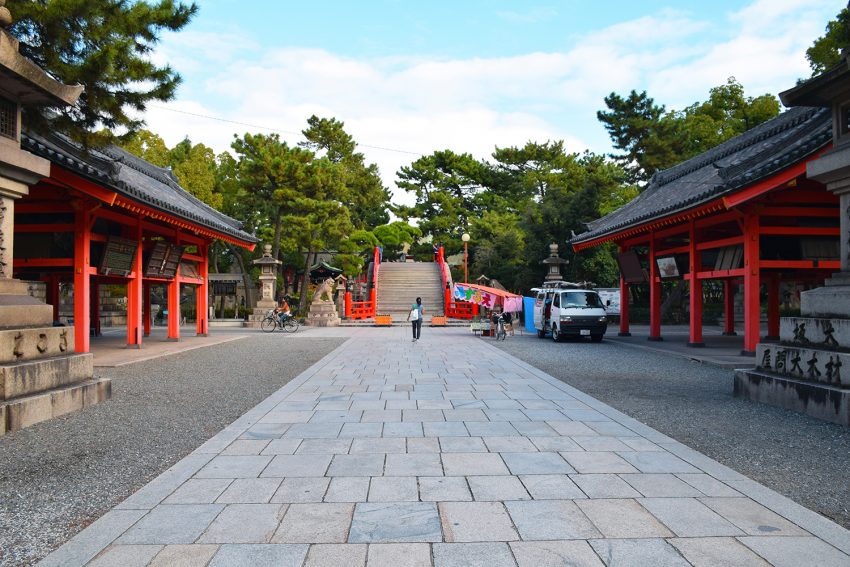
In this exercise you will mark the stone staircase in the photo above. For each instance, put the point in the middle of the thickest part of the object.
(400, 283)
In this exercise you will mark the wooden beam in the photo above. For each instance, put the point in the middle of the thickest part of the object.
(58, 227)
(777, 181)
(800, 264)
(800, 230)
(721, 243)
(801, 212)
(43, 262)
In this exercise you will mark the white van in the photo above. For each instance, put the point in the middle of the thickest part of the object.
(566, 310)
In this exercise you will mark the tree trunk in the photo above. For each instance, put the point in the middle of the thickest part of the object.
(277, 235)
(305, 280)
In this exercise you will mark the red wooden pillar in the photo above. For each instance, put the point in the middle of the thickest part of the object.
(174, 301)
(134, 293)
(695, 284)
(146, 307)
(202, 291)
(347, 304)
(624, 305)
(82, 287)
(654, 294)
(95, 307)
(373, 301)
(729, 308)
(773, 308)
(752, 282)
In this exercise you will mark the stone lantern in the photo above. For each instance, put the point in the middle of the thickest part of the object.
(268, 278)
(554, 262)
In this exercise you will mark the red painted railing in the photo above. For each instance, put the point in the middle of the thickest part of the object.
(453, 309)
(365, 309)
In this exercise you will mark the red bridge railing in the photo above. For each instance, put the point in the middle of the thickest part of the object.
(453, 309)
(365, 309)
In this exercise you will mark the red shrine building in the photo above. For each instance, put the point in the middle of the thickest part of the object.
(105, 216)
(743, 213)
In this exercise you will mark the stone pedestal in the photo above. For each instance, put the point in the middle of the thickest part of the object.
(323, 314)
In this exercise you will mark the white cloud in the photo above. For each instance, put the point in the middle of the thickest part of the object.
(420, 104)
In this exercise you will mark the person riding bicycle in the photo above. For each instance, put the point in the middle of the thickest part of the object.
(283, 311)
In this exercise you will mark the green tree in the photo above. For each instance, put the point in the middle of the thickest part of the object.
(653, 138)
(104, 45)
(826, 50)
(499, 247)
(449, 190)
(394, 236)
(366, 198)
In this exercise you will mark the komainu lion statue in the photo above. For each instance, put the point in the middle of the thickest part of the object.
(327, 288)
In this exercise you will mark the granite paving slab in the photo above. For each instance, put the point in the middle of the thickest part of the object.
(447, 452)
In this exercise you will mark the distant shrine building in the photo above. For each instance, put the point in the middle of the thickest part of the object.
(104, 216)
(743, 213)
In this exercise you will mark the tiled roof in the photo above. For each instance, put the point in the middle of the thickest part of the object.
(737, 163)
(135, 179)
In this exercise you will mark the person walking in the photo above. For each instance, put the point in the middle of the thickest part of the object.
(415, 317)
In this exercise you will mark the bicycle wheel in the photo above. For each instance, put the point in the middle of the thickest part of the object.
(290, 325)
(269, 324)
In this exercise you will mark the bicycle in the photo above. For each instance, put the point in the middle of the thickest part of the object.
(274, 321)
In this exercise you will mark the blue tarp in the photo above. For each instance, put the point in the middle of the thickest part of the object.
(528, 313)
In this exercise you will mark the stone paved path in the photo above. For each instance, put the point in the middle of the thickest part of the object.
(447, 452)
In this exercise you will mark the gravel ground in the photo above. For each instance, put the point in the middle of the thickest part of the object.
(800, 457)
(59, 476)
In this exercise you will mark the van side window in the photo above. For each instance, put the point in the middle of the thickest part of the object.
(557, 301)
(541, 296)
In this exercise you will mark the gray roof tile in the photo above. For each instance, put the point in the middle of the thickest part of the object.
(135, 179)
(737, 163)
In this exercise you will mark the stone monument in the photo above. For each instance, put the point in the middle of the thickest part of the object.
(268, 281)
(40, 375)
(323, 312)
(809, 370)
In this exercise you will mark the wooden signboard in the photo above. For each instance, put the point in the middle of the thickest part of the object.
(164, 260)
(118, 257)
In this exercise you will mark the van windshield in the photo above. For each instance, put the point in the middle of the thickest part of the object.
(580, 299)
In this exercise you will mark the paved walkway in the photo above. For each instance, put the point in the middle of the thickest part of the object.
(448, 452)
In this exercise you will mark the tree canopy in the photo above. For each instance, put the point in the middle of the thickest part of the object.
(826, 50)
(653, 138)
(103, 45)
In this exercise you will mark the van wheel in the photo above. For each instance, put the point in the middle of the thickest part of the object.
(541, 334)
(556, 336)
(596, 338)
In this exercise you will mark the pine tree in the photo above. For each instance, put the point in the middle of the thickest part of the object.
(103, 45)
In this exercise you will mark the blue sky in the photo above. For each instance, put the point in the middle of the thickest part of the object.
(409, 78)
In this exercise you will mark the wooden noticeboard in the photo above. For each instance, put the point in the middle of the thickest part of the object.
(118, 257)
(163, 261)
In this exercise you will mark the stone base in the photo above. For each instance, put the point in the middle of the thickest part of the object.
(832, 300)
(18, 345)
(816, 332)
(323, 314)
(818, 400)
(31, 377)
(23, 412)
(256, 317)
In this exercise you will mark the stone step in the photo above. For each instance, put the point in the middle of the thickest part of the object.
(28, 410)
(31, 377)
(32, 343)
